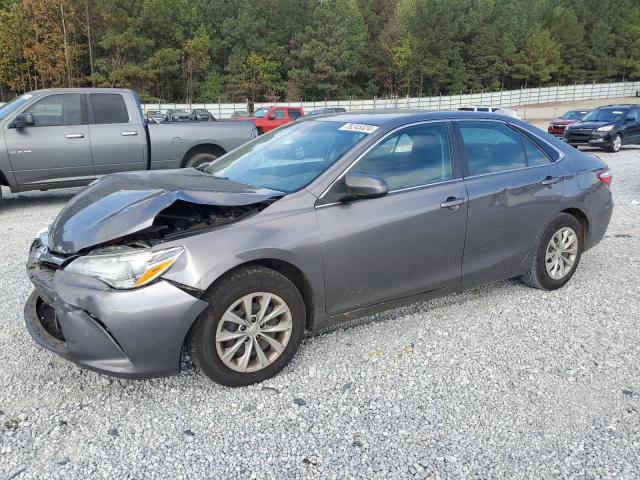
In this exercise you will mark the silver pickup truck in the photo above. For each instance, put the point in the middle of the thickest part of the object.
(67, 137)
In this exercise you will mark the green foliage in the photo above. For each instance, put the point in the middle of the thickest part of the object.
(210, 50)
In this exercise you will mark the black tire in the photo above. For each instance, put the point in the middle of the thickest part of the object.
(615, 145)
(198, 159)
(537, 276)
(236, 285)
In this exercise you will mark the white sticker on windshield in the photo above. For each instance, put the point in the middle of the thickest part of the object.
(358, 127)
(618, 112)
(26, 97)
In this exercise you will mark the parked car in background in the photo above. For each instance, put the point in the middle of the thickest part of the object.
(319, 221)
(178, 115)
(557, 126)
(268, 118)
(68, 137)
(325, 111)
(155, 116)
(607, 127)
(486, 109)
(202, 114)
(240, 113)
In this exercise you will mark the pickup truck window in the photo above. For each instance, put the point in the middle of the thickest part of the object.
(9, 107)
(57, 110)
(108, 108)
(279, 114)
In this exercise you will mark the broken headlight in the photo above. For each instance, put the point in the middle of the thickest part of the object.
(125, 267)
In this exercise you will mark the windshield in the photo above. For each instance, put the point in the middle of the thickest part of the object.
(573, 115)
(9, 107)
(261, 112)
(604, 115)
(290, 157)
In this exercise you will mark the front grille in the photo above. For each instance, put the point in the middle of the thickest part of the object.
(48, 320)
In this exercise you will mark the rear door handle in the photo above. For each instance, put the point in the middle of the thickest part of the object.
(452, 203)
(551, 180)
(75, 135)
(128, 134)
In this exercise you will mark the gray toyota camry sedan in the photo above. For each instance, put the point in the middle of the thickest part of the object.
(315, 222)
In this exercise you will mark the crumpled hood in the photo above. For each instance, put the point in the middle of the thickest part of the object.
(125, 203)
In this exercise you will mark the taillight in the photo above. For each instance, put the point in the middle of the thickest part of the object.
(605, 175)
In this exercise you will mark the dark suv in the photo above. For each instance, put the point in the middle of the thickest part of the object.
(607, 127)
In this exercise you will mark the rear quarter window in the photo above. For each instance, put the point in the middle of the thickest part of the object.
(108, 108)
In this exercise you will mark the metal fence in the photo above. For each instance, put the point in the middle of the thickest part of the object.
(506, 98)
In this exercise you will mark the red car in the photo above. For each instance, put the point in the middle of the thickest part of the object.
(557, 126)
(268, 118)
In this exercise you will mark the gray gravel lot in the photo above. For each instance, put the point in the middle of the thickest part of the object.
(499, 381)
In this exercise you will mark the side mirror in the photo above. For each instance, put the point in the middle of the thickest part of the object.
(24, 120)
(271, 117)
(359, 186)
(629, 120)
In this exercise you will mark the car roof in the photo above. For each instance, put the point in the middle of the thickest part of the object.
(620, 105)
(399, 117)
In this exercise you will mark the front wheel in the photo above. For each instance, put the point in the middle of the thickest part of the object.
(557, 254)
(616, 143)
(252, 328)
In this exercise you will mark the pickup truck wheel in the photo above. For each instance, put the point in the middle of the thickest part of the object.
(198, 159)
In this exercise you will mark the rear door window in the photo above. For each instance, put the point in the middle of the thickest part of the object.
(57, 110)
(491, 147)
(294, 114)
(108, 108)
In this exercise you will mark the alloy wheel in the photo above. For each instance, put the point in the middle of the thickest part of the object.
(253, 332)
(561, 254)
(617, 143)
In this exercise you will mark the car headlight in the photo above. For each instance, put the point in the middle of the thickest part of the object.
(606, 128)
(125, 267)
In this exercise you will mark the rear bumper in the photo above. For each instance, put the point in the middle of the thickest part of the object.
(133, 333)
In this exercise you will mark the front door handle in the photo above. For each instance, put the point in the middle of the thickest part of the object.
(75, 135)
(452, 203)
(128, 134)
(551, 180)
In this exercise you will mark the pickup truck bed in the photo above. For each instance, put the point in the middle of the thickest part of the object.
(68, 137)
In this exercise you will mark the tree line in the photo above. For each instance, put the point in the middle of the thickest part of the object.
(233, 50)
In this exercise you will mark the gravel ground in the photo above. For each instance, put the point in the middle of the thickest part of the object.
(499, 381)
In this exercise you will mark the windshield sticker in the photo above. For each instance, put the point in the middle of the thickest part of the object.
(26, 97)
(618, 112)
(358, 127)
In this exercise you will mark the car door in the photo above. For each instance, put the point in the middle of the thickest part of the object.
(117, 136)
(279, 117)
(57, 147)
(631, 129)
(514, 188)
(406, 242)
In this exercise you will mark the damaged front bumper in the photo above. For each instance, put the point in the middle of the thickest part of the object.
(127, 333)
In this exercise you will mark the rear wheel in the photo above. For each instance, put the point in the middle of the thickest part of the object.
(198, 159)
(557, 254)
(252, 328)
(616, 143)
